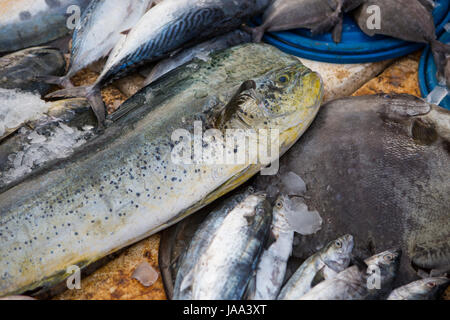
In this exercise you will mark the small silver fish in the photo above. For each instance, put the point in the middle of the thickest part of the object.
(272, 264)
(328, 262)
(424, 289)
(225, 257)
(360, 283)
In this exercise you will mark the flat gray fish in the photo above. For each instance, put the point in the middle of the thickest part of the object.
(99, 30)
(382, 163)
(111, 191)
(424, 289)
(407, 20)
(272, 264)
(200, 51)
(55, 134)
(224, 251)
(169, 26)
(27, 23)
(19, 70)
(318, 15)
(328, 262)
(356, 283)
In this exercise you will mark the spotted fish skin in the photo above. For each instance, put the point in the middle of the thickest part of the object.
(26, 23)
(19, 70)
(111, 192)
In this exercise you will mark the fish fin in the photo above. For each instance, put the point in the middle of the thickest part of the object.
(270, 240)
(256, 32)
(126, 32)
(360, 263)
(331, 22)
(91, 93)
(250, 291)
(233, 105)
(60, 81)
(440, 50)
(337, 31)
(318, 278)
(186, 283)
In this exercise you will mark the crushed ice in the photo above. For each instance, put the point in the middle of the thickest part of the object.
(292, 184)
(17, 107)
(300, 219)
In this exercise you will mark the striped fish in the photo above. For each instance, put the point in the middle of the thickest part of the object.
(169, 26)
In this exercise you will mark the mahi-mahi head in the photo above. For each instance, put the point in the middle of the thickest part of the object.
(124, 185)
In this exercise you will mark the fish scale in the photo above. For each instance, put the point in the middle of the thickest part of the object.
(109, 194)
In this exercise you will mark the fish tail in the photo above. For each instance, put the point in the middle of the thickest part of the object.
(256, 32)
(91, 93)
(440, 50)
(60, 81)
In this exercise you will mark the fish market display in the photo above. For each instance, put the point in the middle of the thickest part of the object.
(99, 30)
(318, 15)
(169, 26)
(272, 264)
(224, 250)
(360, 282)
(26, 23)
(110, 192)
(55, 134)
(378, 167)
(408, 20)
(325, 264)
(20, 69)
(200, 51)
(425, 289)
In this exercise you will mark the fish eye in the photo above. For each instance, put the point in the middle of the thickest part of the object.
(389, 257)
(279, 204)
(431, 284)
(283, 79)
(338, 243)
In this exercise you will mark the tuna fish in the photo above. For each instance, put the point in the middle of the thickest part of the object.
(200, 51)
(425, 289)
(383, 163)
(128, 183)
(99, 31)
(408, 20)
(272, 264)
(27, 23)
(19, 70)
(224, 250)
(327, 263)
(360, 282)
(169, 26)
(318, 15)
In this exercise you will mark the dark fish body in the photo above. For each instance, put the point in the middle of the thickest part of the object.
(19, 70)
(407, 20)
(110, 192)
(318, 15)
(359, 283)
(378, 167)
(200, 51)
(169, 26)
(424, 289)
(26, 23)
